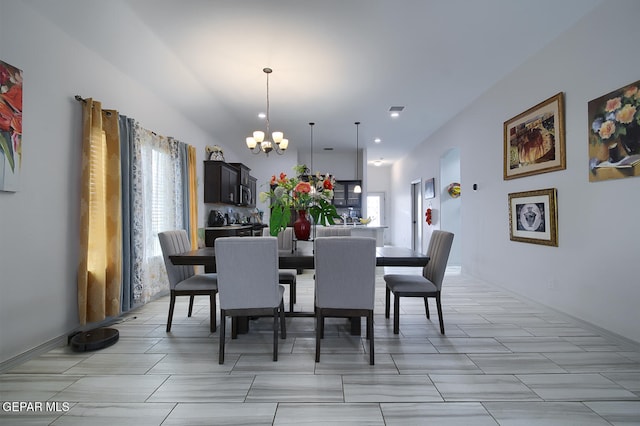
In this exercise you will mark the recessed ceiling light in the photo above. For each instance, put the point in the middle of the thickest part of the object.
(395, 111)
(377, 140)
(262, 115)
(377, 163)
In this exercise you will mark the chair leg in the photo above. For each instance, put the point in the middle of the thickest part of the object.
(212, 312)
(223, 322)
(283, 325)
(234, 327)
(370, 335)
(396, 314)
(292, 290)
(292, 297)
(426, 306)
(275, 334)
(319, 328)
(387, 302)
(439, 305)
(191, 305)
(172, 303)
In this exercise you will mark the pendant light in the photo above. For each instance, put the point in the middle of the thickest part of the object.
(358, 188)
(265, 142)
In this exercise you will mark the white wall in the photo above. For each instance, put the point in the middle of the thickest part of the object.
(594, 273)
(39, 224)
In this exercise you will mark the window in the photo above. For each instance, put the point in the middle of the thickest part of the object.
(375, 208)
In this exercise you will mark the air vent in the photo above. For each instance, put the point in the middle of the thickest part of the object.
(396, 109)
(328, 149)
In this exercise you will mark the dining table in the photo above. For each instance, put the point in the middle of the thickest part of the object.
(303, 258)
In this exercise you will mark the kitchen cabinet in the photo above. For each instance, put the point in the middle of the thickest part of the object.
(243, 173)
(253, 189)
(211, 233)
(344, 195)
(220, 182)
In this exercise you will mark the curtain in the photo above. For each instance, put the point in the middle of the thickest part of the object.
(193, 197)
(157, 205)
(126, 148)
(100, 257)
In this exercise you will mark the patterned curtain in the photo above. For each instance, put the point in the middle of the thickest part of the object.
(100, 263)
(157, 205)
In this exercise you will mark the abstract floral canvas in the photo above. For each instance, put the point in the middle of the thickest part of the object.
(10, 127)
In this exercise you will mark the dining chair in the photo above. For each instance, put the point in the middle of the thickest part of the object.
(429, 284)
(345, 282)
(286, 276)
(248, 283)
(183, 281)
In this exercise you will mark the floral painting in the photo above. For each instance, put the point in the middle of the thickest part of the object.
(10, 126)
(614, 134)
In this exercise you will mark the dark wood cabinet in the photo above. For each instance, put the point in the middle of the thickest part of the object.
(220, 183)
(253, 188)
(243, 173)
(210, 234)
(344, 195)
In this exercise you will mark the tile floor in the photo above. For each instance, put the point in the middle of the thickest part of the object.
(503, 361)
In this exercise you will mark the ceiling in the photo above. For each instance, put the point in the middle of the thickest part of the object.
(334, 61)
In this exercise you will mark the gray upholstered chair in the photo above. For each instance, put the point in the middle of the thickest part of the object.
(333, 231)
(248, 283)
(429, 284)
(345, 282)
(183, 280)
(286, 276)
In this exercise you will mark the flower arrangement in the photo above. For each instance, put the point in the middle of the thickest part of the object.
(314, 195)
(618, 118)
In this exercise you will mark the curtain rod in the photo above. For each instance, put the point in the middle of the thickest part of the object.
(81, 99)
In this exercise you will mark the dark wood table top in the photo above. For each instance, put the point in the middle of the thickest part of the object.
(303, 257)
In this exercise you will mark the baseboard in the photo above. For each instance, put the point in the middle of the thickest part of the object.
(33, 353)
(52, 344)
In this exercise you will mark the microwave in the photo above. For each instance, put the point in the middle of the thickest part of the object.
(244, 196)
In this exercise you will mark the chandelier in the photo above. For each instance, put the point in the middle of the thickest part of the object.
(263, 142)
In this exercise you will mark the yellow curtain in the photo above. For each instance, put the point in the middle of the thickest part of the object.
(193, 198)
(100, 263)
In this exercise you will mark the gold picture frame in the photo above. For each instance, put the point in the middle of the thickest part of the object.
(533, 217)
(534, 140)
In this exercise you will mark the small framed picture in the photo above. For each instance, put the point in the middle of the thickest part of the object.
(534, 140)
(430, 188)
(533, 217)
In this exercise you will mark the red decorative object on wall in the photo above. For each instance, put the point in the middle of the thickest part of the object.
(428, 216)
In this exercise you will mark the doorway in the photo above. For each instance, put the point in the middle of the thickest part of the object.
(375, 208)
(416, 215)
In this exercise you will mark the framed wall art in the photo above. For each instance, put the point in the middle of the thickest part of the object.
(533, 217)
(534, 140)
(614, 134)
(430, 188)
(10, 127)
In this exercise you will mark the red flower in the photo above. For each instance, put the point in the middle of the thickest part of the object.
(303, 187)
(327, 184)
(273, 180)
(13, 97)
(283, 178)
(6, 117)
